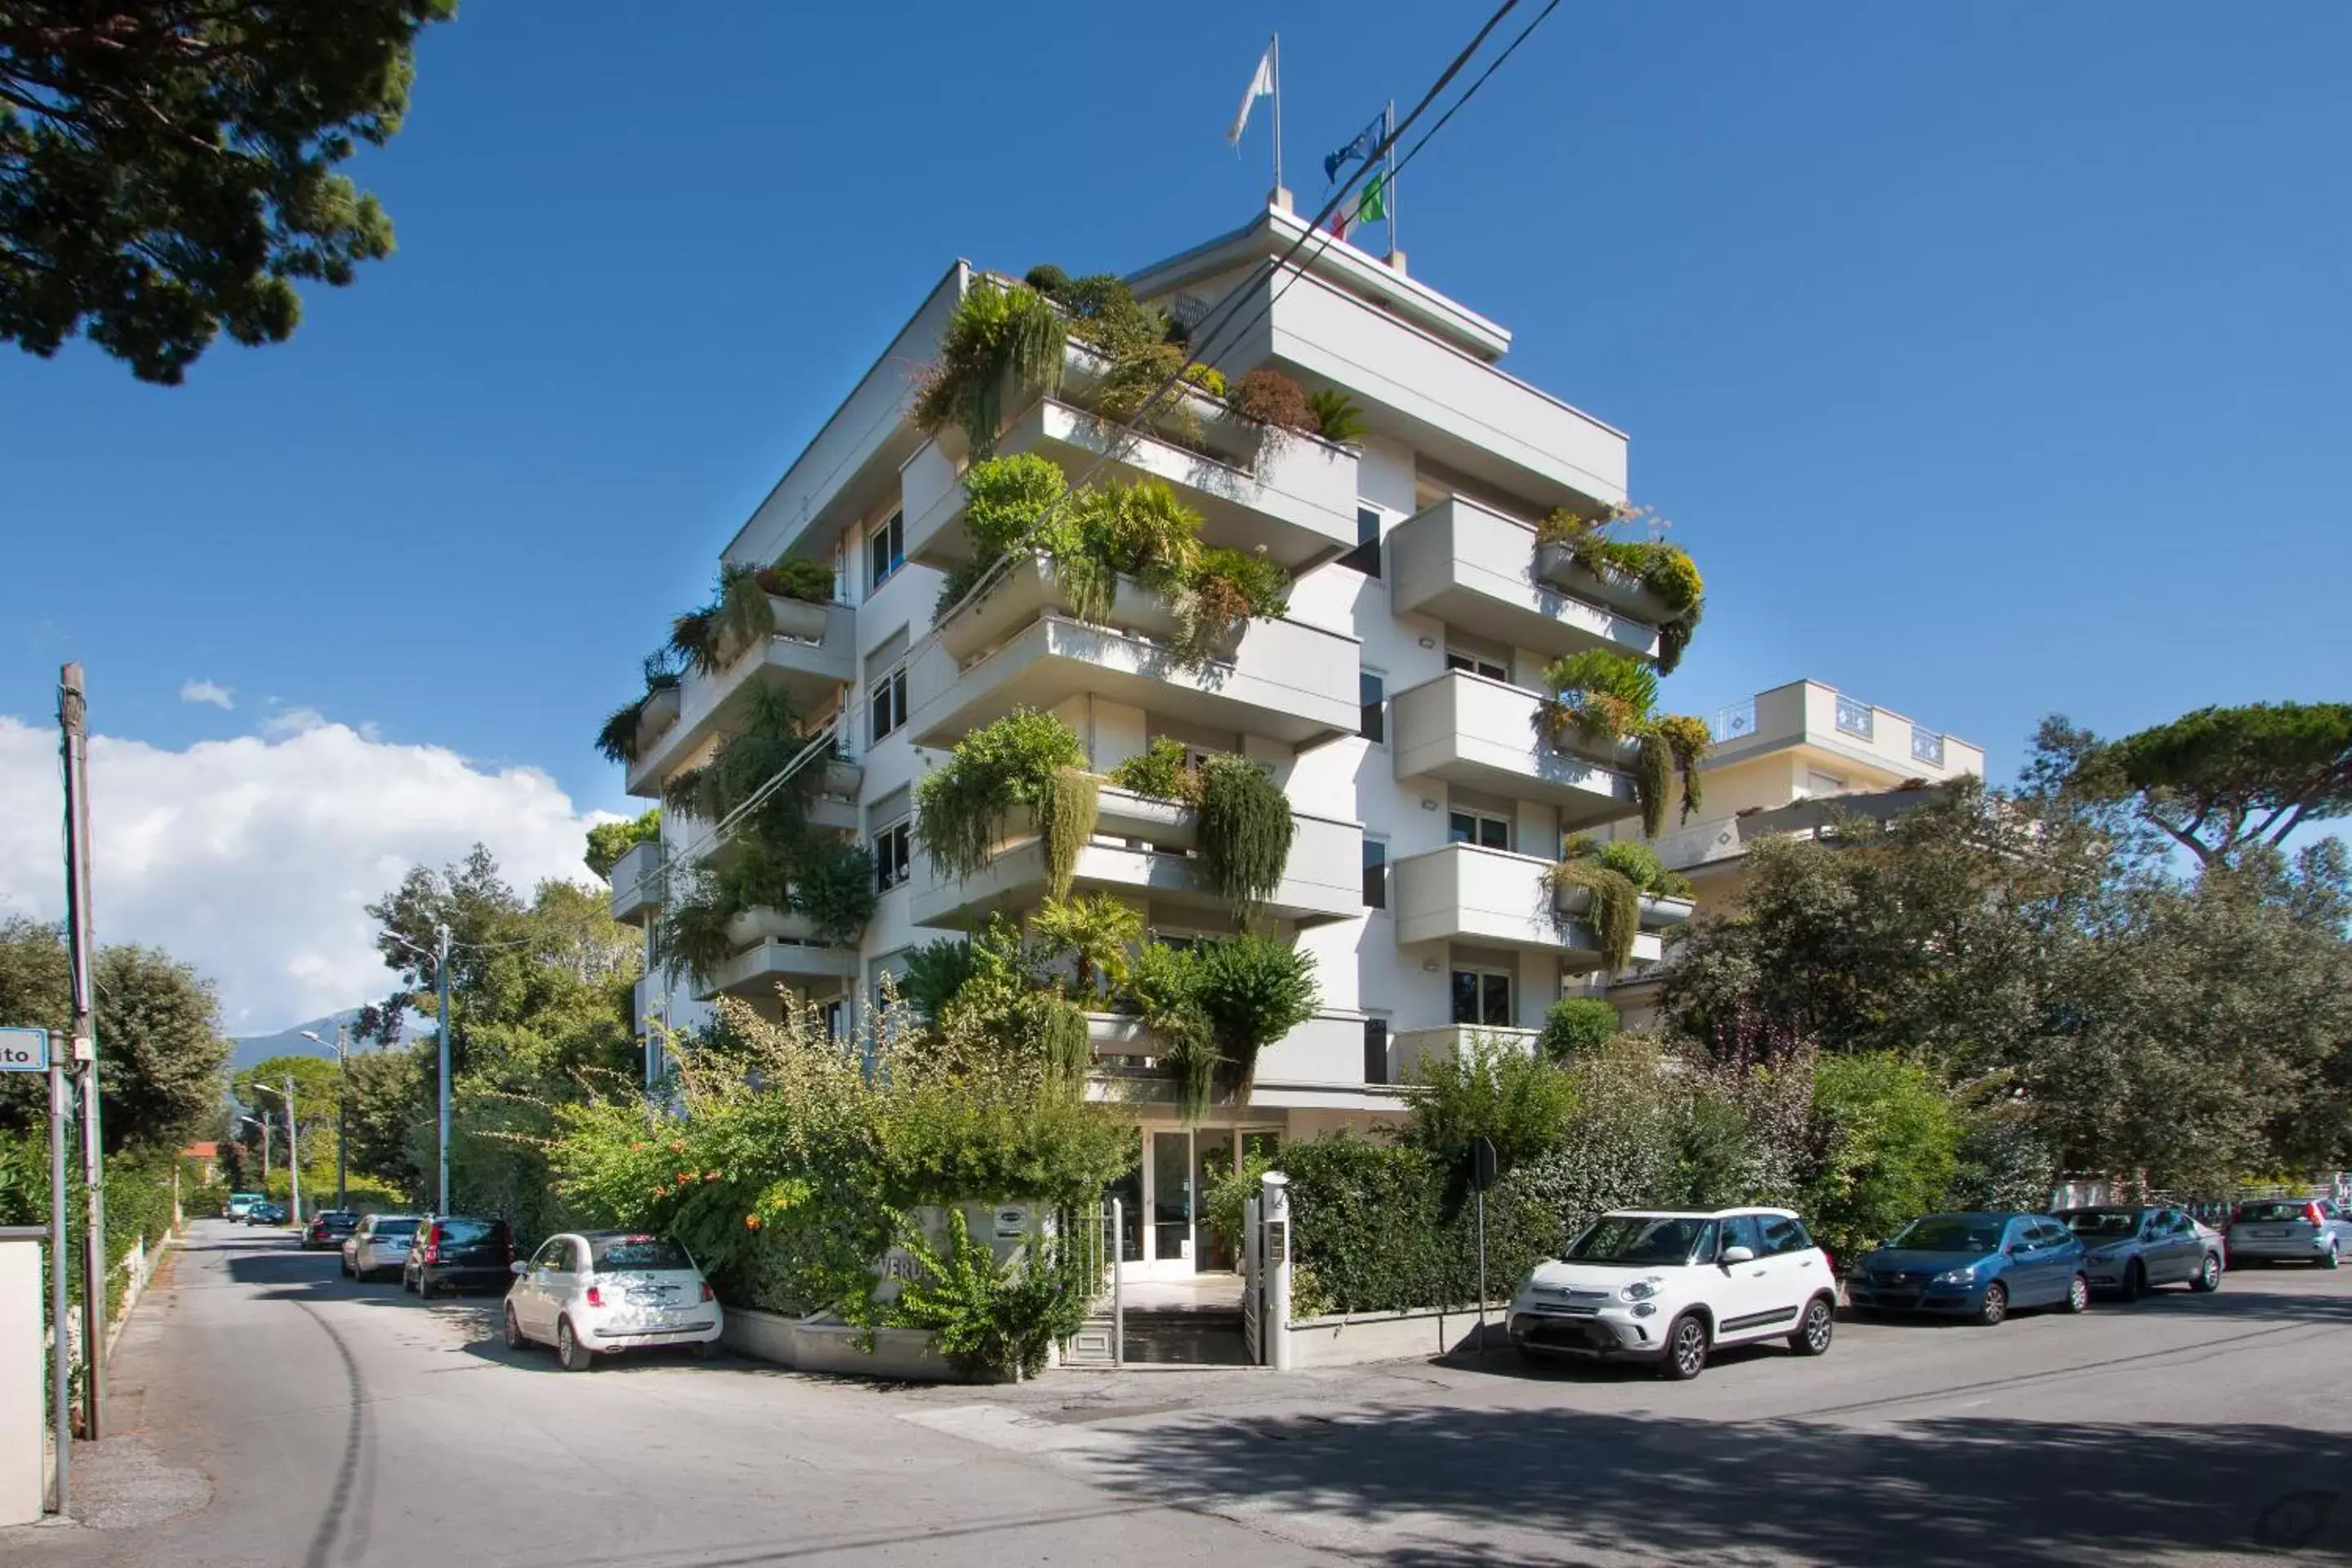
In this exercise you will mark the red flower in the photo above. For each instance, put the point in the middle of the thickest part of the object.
(684, 1177)
(751, 1222)
(661, 1191)
(709, 1175)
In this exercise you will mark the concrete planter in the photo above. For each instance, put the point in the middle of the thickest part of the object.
(798, 619)
(1031, 588)
(812, 1344)
(1656, 912)
(755, 926)
(1355, 1339)
(1557, 567)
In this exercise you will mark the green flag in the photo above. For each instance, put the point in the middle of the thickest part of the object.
(1373, 203)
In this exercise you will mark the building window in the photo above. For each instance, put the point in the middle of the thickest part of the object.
(1477, 666)
(1370, 723)
(885, 551)
(1482, 997)
(1376, 875)
(885, 701)
(1479, 828)
(1366, 556)
(1376, 1050)
(891, 847)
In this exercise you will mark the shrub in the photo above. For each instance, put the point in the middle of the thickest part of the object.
(1004, 498)
(935, 972)
(992, 1320)
(997, 769)
(1887, 1140)
(1577, 1026)
(1162, 771)
(798, 577)
(833, 884)
(1492, 1088)
(1275, 400)
(1252, 990)
(996, 332)
(1245, 827)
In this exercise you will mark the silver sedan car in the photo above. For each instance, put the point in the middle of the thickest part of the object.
(2284, 1230)
(590, 1293)
(379, 1246)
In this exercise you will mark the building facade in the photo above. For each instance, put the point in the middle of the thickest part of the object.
(1397, 701)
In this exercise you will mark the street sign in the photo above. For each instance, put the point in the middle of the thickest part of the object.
(24, 1050)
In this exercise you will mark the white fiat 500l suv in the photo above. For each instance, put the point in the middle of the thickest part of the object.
(1669, 1286)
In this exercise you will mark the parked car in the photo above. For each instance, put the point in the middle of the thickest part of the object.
(2289, 1230)
(239, 1203)
(2131, 1247)
(1669, 1286)
(1975, 1265)
(379, 1246)
(266, 1213)
(327, 1227)
(593, 1292)
(455, 1252)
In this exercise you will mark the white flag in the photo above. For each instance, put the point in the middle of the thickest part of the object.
(1261, 85)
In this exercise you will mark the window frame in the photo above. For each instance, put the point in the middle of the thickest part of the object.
(885, 694)
(1372, 712)
(1475, 663)
(885, 551)
(1375, 890)
(1477, 818)
(1376, 1030)
(893, 845)
(1454, 971)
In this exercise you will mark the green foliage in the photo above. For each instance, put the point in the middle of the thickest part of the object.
(167, 171)
(1065, 822)
(935, 972)
(1575, 1025)
(1245, 829)
(2222, 780)
(797, 578)
(997, 335)
(993, 1322)
(1606, 697)
(1614, 907)
(1890, 1136)
(1666, 571)
(998, 770)
(1687, 738)
(1652, 771)
(1252, 990)
(1494, 1088)
(710, 636)
(833, 884)
(1336, 416)
(1227, 1192)
(1161, 770)
(1004, 498)
(608, 841)
(1094, 931)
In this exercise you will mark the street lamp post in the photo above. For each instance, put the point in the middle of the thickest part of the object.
(293, 1143)
(264, 1124)
(342, 1117)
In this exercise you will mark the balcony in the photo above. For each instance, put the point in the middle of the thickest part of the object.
(774, 949)
(1408, 1049)
(1319, 1063)
(812, 655)
(1702, 845)
(1018, 647)
(1463, 893)
(1138, 851)
(1479, 570)
(1844, 730)
(1295, 498)
(640, 882)
(1484, 735)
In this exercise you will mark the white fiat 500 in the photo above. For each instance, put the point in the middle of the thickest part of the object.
(1669, 1286)
(592, 1292)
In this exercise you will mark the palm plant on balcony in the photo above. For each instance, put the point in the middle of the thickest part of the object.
(999, 333)
(618, 740)
(1664, 570)
(1096, 932)
(1336, 416)
(1028, 763)
(1603, 698)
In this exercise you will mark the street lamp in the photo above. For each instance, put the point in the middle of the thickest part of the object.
(264, 1125)
(293, 1142)
(441, 975)
(342, 1116)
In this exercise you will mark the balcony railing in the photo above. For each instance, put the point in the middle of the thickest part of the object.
(1856, 718)
(1926, 746)
(1736, 722)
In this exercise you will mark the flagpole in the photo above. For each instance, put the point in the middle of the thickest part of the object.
(1388, 182)
(1274, 50)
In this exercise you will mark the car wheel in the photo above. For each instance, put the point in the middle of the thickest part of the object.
(1685, 1355)
(2328, 1262)
(1995, 1305)
(575, 1356)
(514, 1335)
(2078, 1294)
(704, 1348)
(424, 1287)
(1815, 1328)
(2209, 1275)
(2134, 1284)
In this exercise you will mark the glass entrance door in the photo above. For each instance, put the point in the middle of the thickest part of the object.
(1172, 1198)
(1164, 1200)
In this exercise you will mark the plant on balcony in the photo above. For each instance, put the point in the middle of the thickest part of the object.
(1337, 419)
(797, 578)
(1161, 770)
(1095, 931)
(693, 936)
(1254, 990)
(770, 738)
(997, 334)
(710, 636)
(618, 740)
(1244, 832)
(833, 887)
(1603, 698)
(1631, 858)
(1666, 571)
(1026, 760)
(1276, 401)
(1614, 911)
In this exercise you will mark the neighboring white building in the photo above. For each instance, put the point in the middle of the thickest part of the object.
(1395, 702)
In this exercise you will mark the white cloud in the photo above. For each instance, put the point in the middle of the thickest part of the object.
(210, 691)
(251, 859)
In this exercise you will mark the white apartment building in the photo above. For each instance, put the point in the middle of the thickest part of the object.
(1395, 702)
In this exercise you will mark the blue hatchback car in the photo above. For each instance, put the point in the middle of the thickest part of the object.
(1976, 1266)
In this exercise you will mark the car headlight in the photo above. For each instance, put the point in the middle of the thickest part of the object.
(1639, 1290)
(1958, 1275)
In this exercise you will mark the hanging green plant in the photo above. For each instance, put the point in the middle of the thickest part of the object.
(997, 771)
(832, 886)
(1244, 833)
(1065, 822)
(1687, 738)
(1665, 571)
(1190, 1054)
(1614, 910)
(998, 332)
(693, 936)
(1605, 697)
(712, 635)
(1653, 773)
(1161, 770)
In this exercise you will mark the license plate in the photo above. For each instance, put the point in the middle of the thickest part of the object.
(2272, 1230)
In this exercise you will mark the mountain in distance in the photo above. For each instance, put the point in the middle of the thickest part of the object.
(251, 1050)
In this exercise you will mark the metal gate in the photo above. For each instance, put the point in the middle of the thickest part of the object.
(1101, 1340)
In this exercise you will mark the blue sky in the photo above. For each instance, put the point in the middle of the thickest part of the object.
(1989, 359)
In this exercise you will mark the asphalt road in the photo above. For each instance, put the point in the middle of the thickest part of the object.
(268, 1413)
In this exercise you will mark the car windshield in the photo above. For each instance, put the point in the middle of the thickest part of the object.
(620, 1253)
(2089, 1223)
(396, 1228)
(459, 1232)
(2275, 1212)
(1950, 1233)
(1635, 1240)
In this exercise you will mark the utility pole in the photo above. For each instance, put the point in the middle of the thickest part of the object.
(342, 1115)
(294, 1151)
(60, 1313)
(73, 725)
(441, 972)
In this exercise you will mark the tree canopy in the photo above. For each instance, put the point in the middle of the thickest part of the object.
(608, 841)
(2219, 780)
(167, 166)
